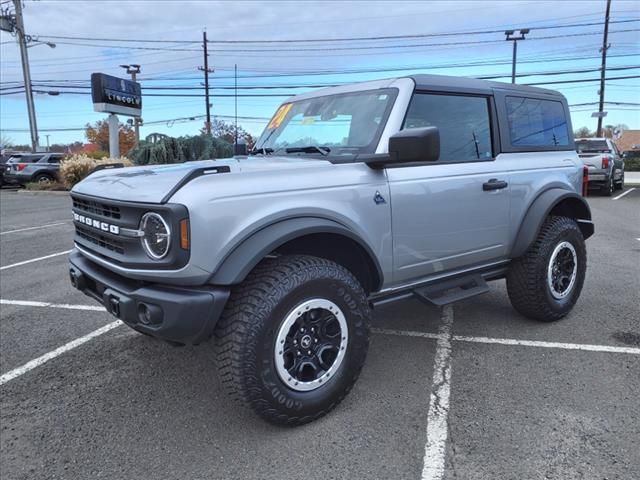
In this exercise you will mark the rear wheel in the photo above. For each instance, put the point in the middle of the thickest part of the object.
(609, 187)
(293, 338)
(545, 283)
(43, 178)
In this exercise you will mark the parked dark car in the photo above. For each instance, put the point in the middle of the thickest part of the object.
(32, 167)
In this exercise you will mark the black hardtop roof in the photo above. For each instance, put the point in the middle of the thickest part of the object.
(474, 85)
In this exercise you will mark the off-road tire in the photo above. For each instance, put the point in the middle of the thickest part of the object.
(245, 336)
(527, 284)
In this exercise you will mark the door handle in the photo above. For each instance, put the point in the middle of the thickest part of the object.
(494, 184)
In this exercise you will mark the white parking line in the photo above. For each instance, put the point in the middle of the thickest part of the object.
(16, 372)
(514, 342)
(438, 417)
(33, 228)
(25, 303)
(623, 194)
(406, 333)
(35, 260)
(541, 344)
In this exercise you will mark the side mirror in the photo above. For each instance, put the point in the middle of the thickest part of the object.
(415, 145)
(240, 148)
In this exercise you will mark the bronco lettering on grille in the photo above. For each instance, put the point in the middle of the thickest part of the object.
(97, 224)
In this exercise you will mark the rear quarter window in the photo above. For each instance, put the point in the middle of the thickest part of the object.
(536, 123)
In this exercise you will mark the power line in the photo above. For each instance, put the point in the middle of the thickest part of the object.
(325, 40)
(288, 94)
(355, 71)
(353, 48)
(283, 86)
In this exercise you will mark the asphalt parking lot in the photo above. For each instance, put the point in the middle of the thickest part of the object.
(474, 391)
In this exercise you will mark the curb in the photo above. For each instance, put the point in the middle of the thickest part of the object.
(39, 192)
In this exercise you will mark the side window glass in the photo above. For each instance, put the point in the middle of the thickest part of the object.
(536, 123)
(463, 123)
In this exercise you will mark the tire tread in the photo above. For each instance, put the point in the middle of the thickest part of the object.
(238, 328)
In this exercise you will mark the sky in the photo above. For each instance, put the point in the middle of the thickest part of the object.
(290, 47)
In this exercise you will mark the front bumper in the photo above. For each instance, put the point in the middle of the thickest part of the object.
(185, 315)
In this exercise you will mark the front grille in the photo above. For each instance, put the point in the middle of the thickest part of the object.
(96, 208)
(100, 240)
(119, 247)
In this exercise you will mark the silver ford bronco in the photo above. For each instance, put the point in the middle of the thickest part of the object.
(423, 186)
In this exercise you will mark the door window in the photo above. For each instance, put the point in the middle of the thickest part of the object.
(463, 122)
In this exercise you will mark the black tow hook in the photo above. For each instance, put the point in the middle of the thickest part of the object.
(114, 306)
(77, 280)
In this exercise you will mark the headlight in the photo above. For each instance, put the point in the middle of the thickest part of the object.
(156, 237)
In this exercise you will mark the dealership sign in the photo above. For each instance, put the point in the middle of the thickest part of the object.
(116, 95)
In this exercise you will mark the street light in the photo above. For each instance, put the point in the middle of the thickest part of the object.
(35, 43)
(133, 70)
(510, 36)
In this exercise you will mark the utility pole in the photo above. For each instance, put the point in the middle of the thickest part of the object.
(47, 135)
(509, 34)
(235, 77)
(134, 70)
(206, 71)
(603, 68)
(26, 72)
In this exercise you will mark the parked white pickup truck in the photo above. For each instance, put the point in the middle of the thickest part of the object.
(606, 166)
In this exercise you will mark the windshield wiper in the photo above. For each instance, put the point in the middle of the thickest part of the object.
(261, 151)
(309, 149)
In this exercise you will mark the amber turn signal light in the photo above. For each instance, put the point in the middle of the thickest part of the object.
(184, 234)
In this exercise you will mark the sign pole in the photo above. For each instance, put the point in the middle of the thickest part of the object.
(114, 141)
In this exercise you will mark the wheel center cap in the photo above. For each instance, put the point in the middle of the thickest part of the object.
(305, 341)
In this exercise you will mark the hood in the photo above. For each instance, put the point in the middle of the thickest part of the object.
(156, 183)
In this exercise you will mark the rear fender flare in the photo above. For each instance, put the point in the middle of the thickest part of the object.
(555, 200)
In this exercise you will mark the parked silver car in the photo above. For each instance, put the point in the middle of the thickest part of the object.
(424, 186)
(33, 167)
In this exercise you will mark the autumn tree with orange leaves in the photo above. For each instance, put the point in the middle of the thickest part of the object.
(98, 134)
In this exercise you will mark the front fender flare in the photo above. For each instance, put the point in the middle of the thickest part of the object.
(540, 209)
(248, 253)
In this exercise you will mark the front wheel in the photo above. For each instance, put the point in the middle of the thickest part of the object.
(293, 338)
(545, 283)
(620, 184)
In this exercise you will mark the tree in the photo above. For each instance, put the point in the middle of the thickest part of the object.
(99, 135)
(5, 142)
(610, 130)
(583, 132)
(226, 131)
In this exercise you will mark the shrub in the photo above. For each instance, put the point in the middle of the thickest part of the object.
(77, 167)
(632, 164)
(45, 186)
(179, 150)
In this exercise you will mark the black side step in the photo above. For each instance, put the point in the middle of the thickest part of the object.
(452, 291)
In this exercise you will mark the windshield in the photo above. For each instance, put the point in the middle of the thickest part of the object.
(347, 123)
(592, 146)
